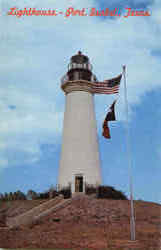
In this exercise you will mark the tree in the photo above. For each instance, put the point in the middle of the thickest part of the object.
(31, 195)
(1, 197)
(52, 192)
(10, 196)
(6, 197)
(20, 195)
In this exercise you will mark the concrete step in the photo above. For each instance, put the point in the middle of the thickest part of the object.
(28, 216)
(37, 213)
(60, 205)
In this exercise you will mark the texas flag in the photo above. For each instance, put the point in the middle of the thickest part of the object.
(109, 117)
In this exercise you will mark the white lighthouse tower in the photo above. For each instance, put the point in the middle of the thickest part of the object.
(79, 162)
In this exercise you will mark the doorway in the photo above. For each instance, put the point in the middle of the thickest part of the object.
(79, 184)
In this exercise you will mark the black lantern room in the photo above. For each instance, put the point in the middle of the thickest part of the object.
(79, 68)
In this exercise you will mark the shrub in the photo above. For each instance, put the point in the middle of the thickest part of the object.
(90, 189)
(18, 195)
(53, 192)
(43, 195)
(31, 195)
(66, 192)
(108, 192)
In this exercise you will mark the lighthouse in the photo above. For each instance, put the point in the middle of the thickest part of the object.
(79, 160)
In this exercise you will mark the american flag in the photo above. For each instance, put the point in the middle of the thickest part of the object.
(110, 86)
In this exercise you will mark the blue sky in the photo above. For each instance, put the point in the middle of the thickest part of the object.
(35, 52)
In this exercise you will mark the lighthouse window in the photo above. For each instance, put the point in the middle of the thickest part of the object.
(76, 75)
(80, 75)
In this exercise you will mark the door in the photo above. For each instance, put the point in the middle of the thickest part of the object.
(79, 184)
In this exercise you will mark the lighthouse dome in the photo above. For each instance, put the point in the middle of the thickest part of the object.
(79, 58)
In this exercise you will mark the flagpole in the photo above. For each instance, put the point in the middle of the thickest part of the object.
(132, 218)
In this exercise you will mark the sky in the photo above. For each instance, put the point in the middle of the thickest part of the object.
(35, 52)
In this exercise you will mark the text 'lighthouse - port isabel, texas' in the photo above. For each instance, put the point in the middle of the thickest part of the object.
(79, 161)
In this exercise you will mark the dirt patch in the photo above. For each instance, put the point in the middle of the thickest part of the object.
(90, 224)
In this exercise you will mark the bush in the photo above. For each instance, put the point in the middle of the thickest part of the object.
(48, 194)
(53, 192)
(66, 192)
(44, 195)
(90, 189)
(18, 195)
(31, 195)
(108, 192)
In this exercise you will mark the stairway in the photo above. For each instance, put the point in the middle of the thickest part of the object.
(27, 217)
(36, 213)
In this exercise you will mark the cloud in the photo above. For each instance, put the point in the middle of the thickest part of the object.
(35, 52)
(3, 163)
